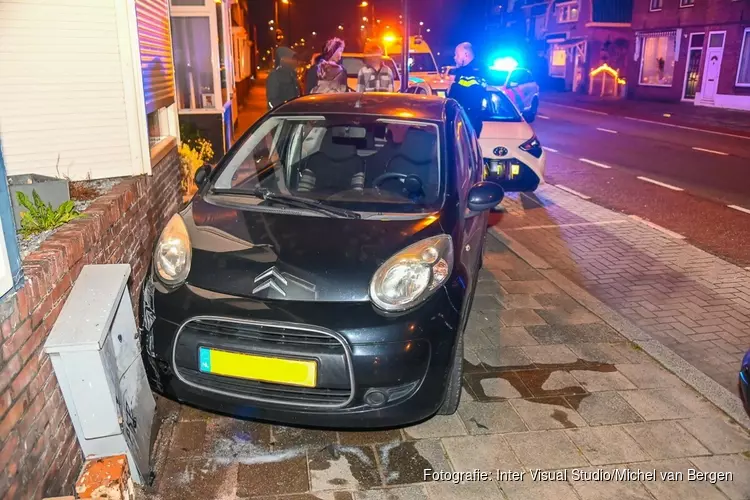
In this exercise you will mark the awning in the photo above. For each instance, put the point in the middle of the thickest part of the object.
(572, 42)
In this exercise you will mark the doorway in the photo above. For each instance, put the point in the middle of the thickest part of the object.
(693, 66)
(712, 66)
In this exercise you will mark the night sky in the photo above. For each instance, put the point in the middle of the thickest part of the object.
(450, 21)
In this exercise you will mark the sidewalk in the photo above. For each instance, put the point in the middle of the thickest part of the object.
(696, 304)
(255, 106)
(682, 114)
(554, 380)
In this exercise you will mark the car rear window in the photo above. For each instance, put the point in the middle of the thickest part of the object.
(498, 108)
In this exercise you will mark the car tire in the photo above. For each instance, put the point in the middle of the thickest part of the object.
(453, 392)
(531, 114)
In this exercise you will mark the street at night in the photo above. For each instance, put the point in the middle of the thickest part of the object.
(375, 250)
(694, 183)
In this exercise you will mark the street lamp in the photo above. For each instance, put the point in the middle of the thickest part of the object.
(363, 4)
(314, 33)
(341, 28)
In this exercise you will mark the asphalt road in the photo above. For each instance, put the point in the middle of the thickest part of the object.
(694, 183)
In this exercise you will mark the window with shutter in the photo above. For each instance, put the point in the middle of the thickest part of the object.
(156, 53)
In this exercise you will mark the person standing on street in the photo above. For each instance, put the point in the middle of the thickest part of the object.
(470, 87)
(311, 76)
(282, 85)
(331, 75)
(374, 76)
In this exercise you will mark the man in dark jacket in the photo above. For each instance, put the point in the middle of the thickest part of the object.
(281, 85)
(469, 87)
(311, 77)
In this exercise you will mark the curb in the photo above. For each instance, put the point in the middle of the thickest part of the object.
(706, 386)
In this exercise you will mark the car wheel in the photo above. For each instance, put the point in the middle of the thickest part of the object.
(455, 378)
(453, 393)
(531, 113)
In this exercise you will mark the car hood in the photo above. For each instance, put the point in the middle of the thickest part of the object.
(253, 253)
(506, 130)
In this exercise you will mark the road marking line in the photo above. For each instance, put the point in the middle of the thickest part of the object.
(662, 184)
(580, 109)
(551, 150)
(610, 131)
(543, 117)
(741, 209)
(688, 128)
(573, 192)
(594, 163)
(658, 228)
(711, 151)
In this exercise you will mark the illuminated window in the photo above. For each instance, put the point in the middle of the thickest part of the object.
(743, 69)
(558, 59)
(657, 61)
(567, 12)
(656, 5)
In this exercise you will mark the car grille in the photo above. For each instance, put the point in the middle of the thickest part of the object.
(301, 338)
(264, 333)
(272, 392)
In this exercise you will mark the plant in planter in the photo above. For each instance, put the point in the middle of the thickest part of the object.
(42, 217)
(192, 157)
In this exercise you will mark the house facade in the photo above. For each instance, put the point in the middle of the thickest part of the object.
(581, 35)
(86, 91)
(692, 50)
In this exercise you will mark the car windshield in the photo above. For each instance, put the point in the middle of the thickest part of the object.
(496, 77)
(355, 162)
(498, 108)
(422, 62)
(352, 65)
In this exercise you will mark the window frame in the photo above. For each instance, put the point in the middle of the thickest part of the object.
(684, 5)
(651, 7)
(560, 8)
(208, 10)
(640, 69)
(743, 54)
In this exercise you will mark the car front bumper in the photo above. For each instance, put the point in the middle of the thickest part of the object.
(372, 370)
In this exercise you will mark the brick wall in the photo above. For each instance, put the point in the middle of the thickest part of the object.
(39, 453)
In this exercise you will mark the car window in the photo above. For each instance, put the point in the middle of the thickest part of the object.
(422, 62)
(528, 76)
(389, 62)
(352, 65)
(496, 107)
(352, 161)
(474, 147)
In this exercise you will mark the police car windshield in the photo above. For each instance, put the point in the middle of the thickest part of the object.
(498, 108)
(422, 62)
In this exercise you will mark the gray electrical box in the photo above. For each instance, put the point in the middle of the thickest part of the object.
(95, 353)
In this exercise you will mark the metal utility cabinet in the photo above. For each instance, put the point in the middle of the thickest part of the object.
(95, 353)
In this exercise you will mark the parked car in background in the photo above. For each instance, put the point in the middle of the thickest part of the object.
(744, 382)
(518, 84)
(324, 273)
(352, 62)
(512, 154)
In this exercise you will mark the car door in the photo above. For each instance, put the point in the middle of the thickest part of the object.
(529, 88)
(470, 172)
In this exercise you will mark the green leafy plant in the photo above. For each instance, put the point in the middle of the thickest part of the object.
(193, 157)
(42, 217)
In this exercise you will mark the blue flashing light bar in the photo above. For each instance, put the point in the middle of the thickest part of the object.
(504, 64)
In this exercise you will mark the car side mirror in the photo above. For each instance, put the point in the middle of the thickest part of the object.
(485, 195)
(512, 85)
(202, 174)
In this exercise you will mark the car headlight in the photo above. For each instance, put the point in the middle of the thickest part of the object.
(173, 252)
(412, 275)
(533, 147)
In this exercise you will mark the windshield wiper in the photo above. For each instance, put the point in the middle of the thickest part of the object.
(291, 201)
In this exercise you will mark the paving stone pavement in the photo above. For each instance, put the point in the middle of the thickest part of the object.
(548, 387)
(696, 304)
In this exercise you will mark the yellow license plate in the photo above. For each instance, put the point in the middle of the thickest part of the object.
(262, 368)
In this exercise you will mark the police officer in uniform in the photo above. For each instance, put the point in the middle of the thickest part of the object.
(469, 86)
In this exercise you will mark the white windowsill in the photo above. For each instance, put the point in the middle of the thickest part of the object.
(655, 85)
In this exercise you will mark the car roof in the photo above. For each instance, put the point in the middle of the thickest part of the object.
(424, 107)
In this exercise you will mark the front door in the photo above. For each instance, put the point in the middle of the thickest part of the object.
(693, 69)
(712, 67)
